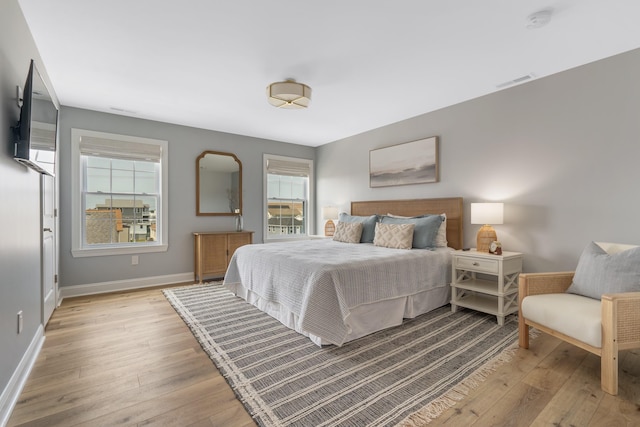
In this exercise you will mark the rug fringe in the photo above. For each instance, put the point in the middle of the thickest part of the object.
(436, 407)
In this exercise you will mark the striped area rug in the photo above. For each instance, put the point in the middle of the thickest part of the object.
(404, 376)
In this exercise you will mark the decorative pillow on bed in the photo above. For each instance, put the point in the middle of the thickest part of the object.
(397, 236)
(601, 273)
(348, 232)
(368, 225)
(441, 237)
(425, 232)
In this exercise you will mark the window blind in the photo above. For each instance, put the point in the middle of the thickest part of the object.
(119, 149)
(288, 167)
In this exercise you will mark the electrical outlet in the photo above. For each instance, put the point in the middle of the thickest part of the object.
(20, 322)
(134, 259)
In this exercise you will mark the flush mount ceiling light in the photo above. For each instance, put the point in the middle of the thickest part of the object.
(289, 94)
(538, 19)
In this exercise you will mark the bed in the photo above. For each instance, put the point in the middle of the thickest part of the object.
(335, 292)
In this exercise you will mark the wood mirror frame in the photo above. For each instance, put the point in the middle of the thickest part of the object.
(218, 184)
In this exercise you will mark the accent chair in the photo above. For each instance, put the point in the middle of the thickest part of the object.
(567, 306)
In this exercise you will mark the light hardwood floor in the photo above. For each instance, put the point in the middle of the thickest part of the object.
(127, 359)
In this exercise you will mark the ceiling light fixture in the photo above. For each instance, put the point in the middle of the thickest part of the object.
(538, 19)
(289, 94)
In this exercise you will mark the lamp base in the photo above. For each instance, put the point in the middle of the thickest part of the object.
(329, 228)
(486, 235)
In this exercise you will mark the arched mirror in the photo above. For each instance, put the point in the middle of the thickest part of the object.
(218, 184)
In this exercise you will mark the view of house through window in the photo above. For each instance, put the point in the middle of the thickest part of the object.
(287, 205)
(120, 201)
(119, 194)
(288, 195)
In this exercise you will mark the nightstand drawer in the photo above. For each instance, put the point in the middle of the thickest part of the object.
(477, 264)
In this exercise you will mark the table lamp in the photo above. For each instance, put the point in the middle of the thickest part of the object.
(486, 214)
(329, 213)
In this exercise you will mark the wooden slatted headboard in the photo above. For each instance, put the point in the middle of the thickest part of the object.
(452, 206)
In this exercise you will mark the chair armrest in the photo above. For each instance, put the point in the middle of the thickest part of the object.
(544, 283)
(623, 311)
(625, 296)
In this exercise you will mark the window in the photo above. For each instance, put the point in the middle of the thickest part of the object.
(288, 190)
(119, 194)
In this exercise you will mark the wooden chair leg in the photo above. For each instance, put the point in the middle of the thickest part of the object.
(609, 374)
(523, 332)
(609, 355)
(523, 328)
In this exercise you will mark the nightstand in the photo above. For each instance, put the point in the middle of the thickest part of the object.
(486, 282)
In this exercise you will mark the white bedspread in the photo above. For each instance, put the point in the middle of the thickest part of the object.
(320, 281)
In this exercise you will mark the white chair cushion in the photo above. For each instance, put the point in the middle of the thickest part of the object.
(573, 315)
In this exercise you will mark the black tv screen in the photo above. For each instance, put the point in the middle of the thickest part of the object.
(35, 134)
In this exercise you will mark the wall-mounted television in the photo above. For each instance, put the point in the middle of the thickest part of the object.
(35, 133)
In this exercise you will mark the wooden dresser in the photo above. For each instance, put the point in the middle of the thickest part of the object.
(212, 251)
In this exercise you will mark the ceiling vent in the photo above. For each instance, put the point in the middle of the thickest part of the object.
(123, 110)
(516, 81)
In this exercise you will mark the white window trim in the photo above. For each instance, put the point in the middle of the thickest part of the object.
(77, 251)
(310, 223)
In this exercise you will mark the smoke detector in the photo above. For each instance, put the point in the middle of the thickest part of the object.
(538, 19)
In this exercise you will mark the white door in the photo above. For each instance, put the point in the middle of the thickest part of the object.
(48, 261)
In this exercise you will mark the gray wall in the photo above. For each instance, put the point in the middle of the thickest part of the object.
(561, 152)
(19, 201)
(185, 145)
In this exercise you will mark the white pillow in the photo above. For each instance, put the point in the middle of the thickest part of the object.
(396, 236)
(441, 237)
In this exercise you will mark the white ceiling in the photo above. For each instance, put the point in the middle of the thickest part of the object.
(206, 63)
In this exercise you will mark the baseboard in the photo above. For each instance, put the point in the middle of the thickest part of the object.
(13, 389)
(122, 285)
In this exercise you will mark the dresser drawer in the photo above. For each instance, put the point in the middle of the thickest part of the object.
(477, 264)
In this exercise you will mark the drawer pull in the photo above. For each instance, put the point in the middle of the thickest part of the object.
(476, 264)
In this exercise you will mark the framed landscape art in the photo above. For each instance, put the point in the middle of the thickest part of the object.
(413, 162)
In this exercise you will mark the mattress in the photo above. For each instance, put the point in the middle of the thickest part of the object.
(335, 292)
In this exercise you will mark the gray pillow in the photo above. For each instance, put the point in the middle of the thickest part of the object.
(368, 225)
(425, 231)
(441, 236)
(600, 273)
